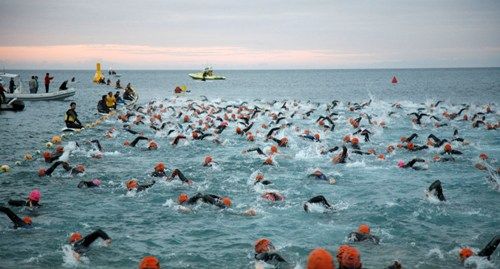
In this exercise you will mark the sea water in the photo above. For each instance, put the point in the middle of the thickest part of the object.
(421, 233)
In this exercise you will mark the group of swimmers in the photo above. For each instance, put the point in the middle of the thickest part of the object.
(205, 121)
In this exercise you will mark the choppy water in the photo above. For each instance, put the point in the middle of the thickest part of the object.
(418, 232)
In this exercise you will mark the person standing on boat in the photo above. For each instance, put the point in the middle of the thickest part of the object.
(2, 94)
(111, 101)
(12, 85)
(32, 84)
(64, 86)
(47, 82)
(36, 84)
(71, 118)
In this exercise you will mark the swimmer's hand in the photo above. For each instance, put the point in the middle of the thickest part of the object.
(107, 242)
(184, 209)
(76, 256)
(332, 181)
(250, 212)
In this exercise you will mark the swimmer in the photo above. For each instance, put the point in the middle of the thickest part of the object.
(326, 151)
(349, 257)
(317, 174)
(259, 178)
(208, 161)
(418, 117)
(273, 196)
(314, 138)
(82, 245)
(435, 142)
(159, 170)
(133, 185)
(149, 262)
(364, 133)
(33, 200)
(435, 189)
(177, 138)
(320, 199)
(320, 258)
(137, 139)
(395, 265)
(341, 157)
(218, 201)
(363, 234)
(73, 171)
(283, 142)
(89, 184)
(178, 173)
(265, 251)
(411, 164)
(486, 252)
(449, 150)
(258, 150)
(18, 222)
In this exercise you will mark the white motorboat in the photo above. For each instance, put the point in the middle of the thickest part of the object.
(22, 94)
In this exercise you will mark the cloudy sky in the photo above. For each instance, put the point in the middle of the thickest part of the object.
(255, 34)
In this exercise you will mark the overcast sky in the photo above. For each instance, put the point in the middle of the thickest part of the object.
(255, 34)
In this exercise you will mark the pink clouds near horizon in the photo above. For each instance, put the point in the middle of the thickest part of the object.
(144, 57)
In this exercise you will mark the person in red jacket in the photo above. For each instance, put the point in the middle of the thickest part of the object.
(47, 81)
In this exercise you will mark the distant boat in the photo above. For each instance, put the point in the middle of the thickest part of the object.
(394, 80)
(22, 94)
(206, 74)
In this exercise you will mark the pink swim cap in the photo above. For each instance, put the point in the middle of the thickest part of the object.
(401, 164)
(96, 181)
(35, 195)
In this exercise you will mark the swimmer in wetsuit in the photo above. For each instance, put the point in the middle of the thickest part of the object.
(133, 185)
(178, 173)
(437, 190)
(218, 201)
(73, 170)
(259, 178)
(340, 158)
(159, 170)
(265, 251)
(18, 222)
(32, 201)
(82, 245)
(89, 184)
(411, 164)
(448, 150)
(486, 252)
(363, 234)
(320, 199)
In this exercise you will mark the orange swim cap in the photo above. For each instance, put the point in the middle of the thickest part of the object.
(47, 155)
(149, 262)
(238, 130)
(60, 149)
(250, 137)
(320, 258)
(447, 148)
(410, 146)
(347, 138)
(364, 229)
(354, 140)
(321, 123)
(259, 177)
(381, 156)
(351, 259)
(269, 161)
(27, 220)
(263, 245)
(274, 149)
(159, 167)
(80, 168)
(41, 172)
(152, 145)
(182, 198)
(131, 184)
(483, 156)
(317, 136)
(75, 237)
(226, 201)
(208, 159)
(340, 252)
(126, 143)
(465, 253)
(194, 135)
(186, 118)
(283, 142)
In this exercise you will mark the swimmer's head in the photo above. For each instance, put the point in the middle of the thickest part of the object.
(321, 123)
(47, 156)
(274, 149)
(27, 220)
(250, 137)
(320, 258)
(347, 138)
(268, 161)
(410, 146)
(56, 139)
(371, 151)
(390, 148)
(351, 259)
(340, 251)
(159, 167)
(182, 198)
(226, 201)
(195, 135)
(316, 136)
(96, 181)
(447, 148)
(283, 142)
(35, 195)
(238, 130)
(126, 143)
(74, 237)
(483, 156)
(465, 253)
(149, 262)
(402, 139)
(259, 177)
(381, 157)
(132, 184)
(186, 118)
(80, 168)
(208, 159)
(152, 145)
(263, 245)
(59, 149)
(401, 164)
(364, 229)
(41, 172)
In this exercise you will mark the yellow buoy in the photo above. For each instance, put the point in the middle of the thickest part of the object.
(56, 139)
(28, 157)
(48, 145)
(98, 74)
(4, 168)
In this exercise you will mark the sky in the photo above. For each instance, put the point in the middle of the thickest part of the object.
(256, 34)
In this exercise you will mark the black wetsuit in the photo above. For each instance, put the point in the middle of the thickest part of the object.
(145, 186)
(490, 247)
(206, 198)
(18, 222)
(83, 245)
(320, 176)
(137, 139)
(329, 150)
(256, 149)
(65, 165)
(263, 182)
(75, 124)
(343, 155)
(181, 176)
(158, 174)
(412, 162)
(87, 184)
(437, 142)
(27, 203)
(101, 107)
(455, 152)
(436, 185)
(272, 258)
(320, 199)
(358, 237)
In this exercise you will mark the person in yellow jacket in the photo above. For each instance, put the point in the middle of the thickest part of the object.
(71, 118)
(111, 100)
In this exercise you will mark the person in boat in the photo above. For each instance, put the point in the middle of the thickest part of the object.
(117, 85)
(205, 74)
(111, 101)
(32, 84)
(36, 84)
(128, 94)
(108, 82)
(71, 118)
(2, 94)
(64, 86)
(47, 82)
(118, 98)
(12, 85)
(18, 222)
(73, 79)
(82, 244)
(101, 105)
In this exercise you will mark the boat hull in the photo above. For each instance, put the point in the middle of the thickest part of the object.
(199, 76)
(59, 95)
